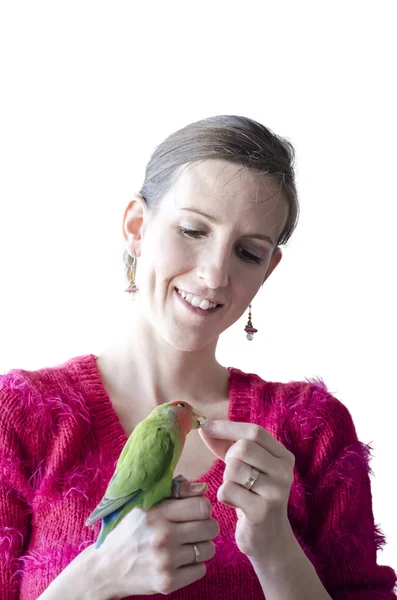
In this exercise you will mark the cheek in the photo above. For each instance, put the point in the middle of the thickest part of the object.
(246, 280)
(166, 255)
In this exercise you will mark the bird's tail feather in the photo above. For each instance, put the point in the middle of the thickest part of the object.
(110, 521)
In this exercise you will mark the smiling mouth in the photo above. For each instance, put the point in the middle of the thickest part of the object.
(196, 301)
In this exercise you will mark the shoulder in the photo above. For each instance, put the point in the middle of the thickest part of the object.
(306, 401)
(305, 416)
(36, 398)
(309, 402)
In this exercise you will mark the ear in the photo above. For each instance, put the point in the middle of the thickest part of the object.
(133, 220)
(276, 257)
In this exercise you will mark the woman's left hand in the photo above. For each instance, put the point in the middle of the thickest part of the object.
(263, 530)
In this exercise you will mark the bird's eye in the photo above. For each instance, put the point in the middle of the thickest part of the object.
(181, 404)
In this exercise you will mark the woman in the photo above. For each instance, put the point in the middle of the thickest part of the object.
(289, 492)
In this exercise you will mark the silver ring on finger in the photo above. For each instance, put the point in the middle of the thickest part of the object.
(196, 554)
(253, 476)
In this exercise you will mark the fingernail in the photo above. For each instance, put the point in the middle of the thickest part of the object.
(197, 487)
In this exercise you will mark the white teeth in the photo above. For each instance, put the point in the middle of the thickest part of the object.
(197, 301)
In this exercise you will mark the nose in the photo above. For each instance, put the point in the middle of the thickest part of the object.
(214, 269)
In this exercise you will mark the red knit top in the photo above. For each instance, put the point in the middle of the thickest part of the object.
(60, 439)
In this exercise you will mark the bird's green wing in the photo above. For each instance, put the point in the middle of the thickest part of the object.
(147, 455)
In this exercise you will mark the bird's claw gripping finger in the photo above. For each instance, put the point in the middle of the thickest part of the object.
(176, 486)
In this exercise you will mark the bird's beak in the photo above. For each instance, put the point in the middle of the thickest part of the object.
(198, 419)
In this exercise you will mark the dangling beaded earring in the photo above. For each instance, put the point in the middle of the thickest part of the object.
(130, 263)
(248, 328)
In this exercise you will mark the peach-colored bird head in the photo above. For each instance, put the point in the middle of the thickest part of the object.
(186, 416)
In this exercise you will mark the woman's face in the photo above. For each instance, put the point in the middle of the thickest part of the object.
(214, 237)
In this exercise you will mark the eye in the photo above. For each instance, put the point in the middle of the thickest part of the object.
(182, 404)
(190, 232)
(248, 257)
(244, 254)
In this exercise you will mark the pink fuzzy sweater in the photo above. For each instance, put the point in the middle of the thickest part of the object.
(59, 442)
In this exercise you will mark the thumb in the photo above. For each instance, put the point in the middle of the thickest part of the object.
(217, 446)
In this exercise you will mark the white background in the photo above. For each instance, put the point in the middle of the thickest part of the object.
(87, 91)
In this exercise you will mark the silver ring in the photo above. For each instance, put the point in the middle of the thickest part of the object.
(251, 479)
(196, 554)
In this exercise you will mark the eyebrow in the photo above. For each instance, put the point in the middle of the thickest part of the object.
(259, 236)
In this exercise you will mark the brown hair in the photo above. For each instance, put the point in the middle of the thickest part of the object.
(239, 140)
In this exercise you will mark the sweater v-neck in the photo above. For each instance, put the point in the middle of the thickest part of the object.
(112, 436)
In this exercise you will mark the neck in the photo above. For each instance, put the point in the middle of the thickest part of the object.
(143, 365)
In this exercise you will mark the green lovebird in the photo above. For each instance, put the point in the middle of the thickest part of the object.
(144, 470)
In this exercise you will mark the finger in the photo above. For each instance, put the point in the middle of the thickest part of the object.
(196, 531)
(229, 430)
(256, 456)
(186, 554)
(186, 509)
(232, 494)
(238, 471)
(217, 446)
(252, 505)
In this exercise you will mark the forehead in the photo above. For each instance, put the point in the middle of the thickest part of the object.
(225, 190)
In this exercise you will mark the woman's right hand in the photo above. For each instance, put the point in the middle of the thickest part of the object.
(152, 552)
